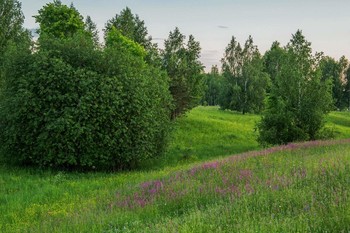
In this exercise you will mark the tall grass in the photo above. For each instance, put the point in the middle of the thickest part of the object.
(299, 187)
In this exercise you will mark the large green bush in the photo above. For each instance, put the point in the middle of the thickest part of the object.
(70, 105)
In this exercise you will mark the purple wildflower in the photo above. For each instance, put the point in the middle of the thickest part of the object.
(245, 174)
(211, 165)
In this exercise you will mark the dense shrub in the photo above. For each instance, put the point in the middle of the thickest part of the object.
(71, 105)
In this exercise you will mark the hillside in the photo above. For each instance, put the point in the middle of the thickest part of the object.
(207, 133)
(298, 187)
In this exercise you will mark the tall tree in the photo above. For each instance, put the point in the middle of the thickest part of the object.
(11, 29)
(245, 80)
(299, 98)
(181, 62)
(334, 71)
(212, 83)
(11, 21)
(91, 29)
(347, 88)
(59, 20)
(131, 26)
(272, 60)
(134, 28)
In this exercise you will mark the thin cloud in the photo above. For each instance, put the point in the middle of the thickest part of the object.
(222, 27)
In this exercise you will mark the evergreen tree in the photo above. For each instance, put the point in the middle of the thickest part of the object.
(181, 62)
(91, 29)
(134, 28)
(131, 26)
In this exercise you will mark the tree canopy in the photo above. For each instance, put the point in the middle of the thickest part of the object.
(59, 20)
(181, 62)
(11, 21)
(299, 98)
(245, 82)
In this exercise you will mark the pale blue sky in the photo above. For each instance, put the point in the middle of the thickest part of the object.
(325, 23)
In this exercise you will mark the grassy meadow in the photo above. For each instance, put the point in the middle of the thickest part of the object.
(206, 133)
(196, 187)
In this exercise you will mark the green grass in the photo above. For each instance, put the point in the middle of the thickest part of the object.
(298, 188)
(339, 122)
(207, 133)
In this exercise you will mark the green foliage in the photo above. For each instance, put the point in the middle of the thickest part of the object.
(299, 98)
(71, 105)
(181, 62)
(91, 28)
(245, 82)
(334, 71)
(11, 21)
(116, 40)
(273, 59)
(59, 20)
(11, 30)
(347, 88)
(132, 27)
(213, 86)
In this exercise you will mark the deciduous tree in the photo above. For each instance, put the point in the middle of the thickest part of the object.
(213, 85)
(70, 105)
(347, 88)
(245, 82)
(299, 98)
(59, 20)
(11, 30)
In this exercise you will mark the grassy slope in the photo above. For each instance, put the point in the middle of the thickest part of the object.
(206, 133)
(292, 191)
(340, 123)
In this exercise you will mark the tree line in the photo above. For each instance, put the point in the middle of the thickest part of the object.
(291, 88)
(70, 100)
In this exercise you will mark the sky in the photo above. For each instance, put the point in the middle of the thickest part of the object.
(325, 23)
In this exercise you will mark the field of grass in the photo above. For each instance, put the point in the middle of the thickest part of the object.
(299, 187)
(339, 122)
(206, 133)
